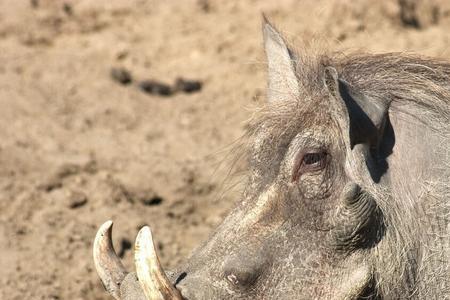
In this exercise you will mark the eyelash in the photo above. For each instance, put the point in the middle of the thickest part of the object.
(309, 162)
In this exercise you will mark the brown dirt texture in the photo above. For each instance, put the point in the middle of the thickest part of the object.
(78, 148)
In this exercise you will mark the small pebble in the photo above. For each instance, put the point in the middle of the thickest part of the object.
(204, 5)
(155, 200)
(76, 200)
(121, 76)
(121, 55)
(67, 8)
(155, 88)
(187, 86)
(51, 183)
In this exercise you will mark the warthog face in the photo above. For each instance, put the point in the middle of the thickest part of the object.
(312, 222)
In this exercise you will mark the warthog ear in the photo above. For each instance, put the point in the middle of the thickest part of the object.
(281, 61)
(365, 117)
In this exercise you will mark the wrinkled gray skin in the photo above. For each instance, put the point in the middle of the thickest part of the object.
(347, 196)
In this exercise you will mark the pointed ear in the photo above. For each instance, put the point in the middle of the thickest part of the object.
(282, 81)
(360, 115)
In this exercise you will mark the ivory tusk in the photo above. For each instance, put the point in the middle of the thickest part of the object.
(108, 265)
(152, 277)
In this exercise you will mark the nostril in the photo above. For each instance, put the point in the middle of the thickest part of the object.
(242, 278)
(242, 271)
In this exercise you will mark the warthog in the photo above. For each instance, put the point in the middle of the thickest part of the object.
(347, 194)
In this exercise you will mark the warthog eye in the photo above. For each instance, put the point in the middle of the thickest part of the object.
(309, 162)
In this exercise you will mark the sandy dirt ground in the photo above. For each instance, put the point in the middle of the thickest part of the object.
(78, 148)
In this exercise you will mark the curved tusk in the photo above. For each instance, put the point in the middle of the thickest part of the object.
(108, 265)
(153, 280)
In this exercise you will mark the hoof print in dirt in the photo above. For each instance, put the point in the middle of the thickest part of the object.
(155, 88)
(187, 86)
(121, 76)
(155, 200)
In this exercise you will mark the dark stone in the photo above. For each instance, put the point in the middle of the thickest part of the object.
(187, 86)
(121, 76)
(155, 88)
(34, 3)
(155, 200)
(77, 200)
(67, 8)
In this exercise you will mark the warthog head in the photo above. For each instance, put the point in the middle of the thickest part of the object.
(344, 198)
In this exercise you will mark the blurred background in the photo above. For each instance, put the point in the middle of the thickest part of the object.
(129, 109)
